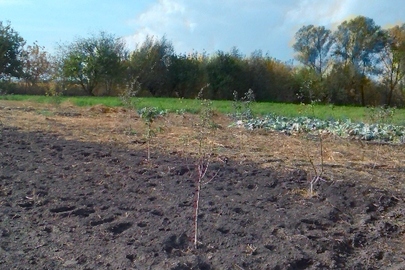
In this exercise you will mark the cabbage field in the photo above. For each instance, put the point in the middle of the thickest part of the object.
(382, 132)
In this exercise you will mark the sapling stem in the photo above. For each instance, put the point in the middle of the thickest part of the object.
(202, 170)
(196, 215)
(318, 176)
(203, 160)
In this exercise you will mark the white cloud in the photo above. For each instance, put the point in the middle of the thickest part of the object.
(208, 25)
(158, 19)
(247, 24)
(319, 12)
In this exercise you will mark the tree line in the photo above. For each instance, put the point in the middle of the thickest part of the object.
(359, 63)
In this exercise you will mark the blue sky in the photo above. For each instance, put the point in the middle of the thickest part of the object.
(191, 25)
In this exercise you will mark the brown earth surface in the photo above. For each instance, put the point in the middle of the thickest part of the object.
(77, 193)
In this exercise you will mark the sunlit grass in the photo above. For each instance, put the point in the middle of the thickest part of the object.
(325, 112)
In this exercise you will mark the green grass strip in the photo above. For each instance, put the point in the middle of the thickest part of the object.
(324, 112)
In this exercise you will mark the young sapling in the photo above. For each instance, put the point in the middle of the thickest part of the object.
(148, 115)
(204, 128)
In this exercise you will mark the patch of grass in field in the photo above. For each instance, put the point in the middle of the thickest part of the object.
(39, 99)
(92, 101)
(324, 112)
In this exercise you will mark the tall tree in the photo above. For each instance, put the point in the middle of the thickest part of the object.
(227, 72)
(91, 62)
(341, 84)
(150, 64)
(270, 79)
(187, 74)
(37, 64)
(393, 61)
(11, 52)
(358, 43)
(313, 45)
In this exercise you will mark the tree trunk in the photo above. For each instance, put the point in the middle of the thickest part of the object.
(390, 93)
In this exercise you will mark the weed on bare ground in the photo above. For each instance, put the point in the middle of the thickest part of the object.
(76, 193)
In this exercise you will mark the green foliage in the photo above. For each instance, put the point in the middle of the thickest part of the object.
(393, 64)
(150, 64)
(93, 62)
(187, 74)
(311, 87)
(313, 46)
(358, 64)
(349, 59)
(226, 73)
(148, 115)
(345, 128)
(358, 43)
(341, 85)
(6, 88)
(11, 53)
(270, 79)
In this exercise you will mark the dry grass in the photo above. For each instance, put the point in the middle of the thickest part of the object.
(382, 166)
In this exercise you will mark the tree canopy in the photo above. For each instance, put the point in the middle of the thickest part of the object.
(93, 61)
(358, 63)
(313, 45)
(11, 52)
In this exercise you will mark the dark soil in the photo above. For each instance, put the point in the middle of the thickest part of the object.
(75, 205)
